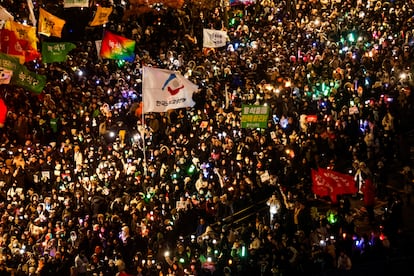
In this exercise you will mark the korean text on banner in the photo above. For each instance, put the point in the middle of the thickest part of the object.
(214, 38)
(163, 90)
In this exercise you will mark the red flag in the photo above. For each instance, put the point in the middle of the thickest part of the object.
(3, 113)
(11, 45)
(321, 185)
(332, 183)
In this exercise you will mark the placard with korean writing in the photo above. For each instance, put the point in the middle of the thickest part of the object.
(254, 116)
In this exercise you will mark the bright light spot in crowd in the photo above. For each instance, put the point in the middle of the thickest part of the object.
(288, 83)
(268, 87)
(332, 219)
(283, 123)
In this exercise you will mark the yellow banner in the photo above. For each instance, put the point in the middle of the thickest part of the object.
(50, 25)
(23, 32)
(101, 16)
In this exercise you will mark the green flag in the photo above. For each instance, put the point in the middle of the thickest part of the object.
(56, 51)
(21, 75)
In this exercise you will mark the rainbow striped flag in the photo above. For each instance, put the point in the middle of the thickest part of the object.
(117, 47)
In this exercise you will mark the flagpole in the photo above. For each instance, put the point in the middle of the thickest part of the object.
(143, 127)
(144, 147)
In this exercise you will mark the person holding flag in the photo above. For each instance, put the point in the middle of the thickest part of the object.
(361, 175)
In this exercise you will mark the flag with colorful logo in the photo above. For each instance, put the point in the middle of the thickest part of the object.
(50, 25)
(163, 90)
(101, 16)
(214, 38)
(21, 76)
(56, 51)
(114, 46)
(332, 183)
(76, 3)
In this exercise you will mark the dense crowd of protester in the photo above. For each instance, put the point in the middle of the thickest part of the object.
(91, 186)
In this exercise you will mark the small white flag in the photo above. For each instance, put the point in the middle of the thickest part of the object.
(76, 3)
(163, 90)
(5, 15)
(98, 44)
(214, 38)
(32, 17)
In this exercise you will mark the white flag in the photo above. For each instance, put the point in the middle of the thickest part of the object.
(76, 3)
(98, 44)
(32, 17)
(163, 90)
(214, 38)
(5, 15)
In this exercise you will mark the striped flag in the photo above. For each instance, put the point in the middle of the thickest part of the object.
(163, 90)
(117, 47)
